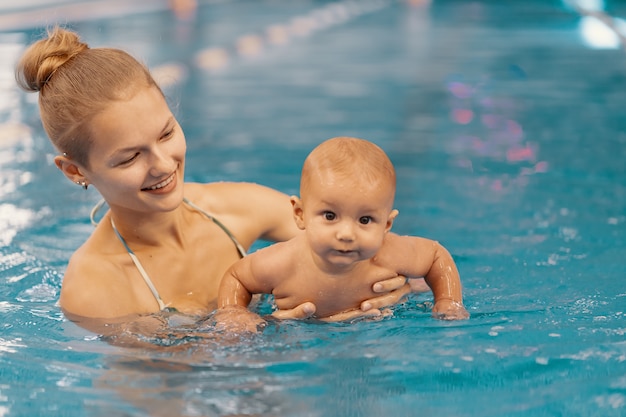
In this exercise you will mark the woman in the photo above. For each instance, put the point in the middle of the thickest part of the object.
(164, 244)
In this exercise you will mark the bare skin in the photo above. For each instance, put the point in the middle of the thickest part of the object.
(346, 214)
(115, 287)
(137, 165)
(272, 270)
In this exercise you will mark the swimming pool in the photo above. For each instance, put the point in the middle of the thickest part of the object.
(506, 127)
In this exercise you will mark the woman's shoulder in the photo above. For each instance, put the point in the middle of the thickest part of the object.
(88, 278)
(224, 189)
(231, 197)
(251, 211)
(99, 255)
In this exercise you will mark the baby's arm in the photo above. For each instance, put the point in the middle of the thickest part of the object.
(445, 282)
(432, 261)
(232, 291)
(243, 279)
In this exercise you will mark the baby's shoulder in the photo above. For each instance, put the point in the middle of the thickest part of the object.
(394, 241)
(396, 247)
(283, 253)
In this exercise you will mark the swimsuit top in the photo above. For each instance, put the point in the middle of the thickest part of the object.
(142, 271)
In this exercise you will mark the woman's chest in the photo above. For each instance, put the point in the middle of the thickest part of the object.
(185, 277)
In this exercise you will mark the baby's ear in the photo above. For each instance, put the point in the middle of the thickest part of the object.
(392, 216)
(298, 214)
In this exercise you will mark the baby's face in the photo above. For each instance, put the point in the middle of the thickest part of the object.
(346, 219)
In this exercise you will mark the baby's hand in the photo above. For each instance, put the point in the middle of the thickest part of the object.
(237, 319)
(446, 309)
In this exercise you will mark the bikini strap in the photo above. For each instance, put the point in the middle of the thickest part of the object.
(142, 271)
(95, 210)
(240, 249)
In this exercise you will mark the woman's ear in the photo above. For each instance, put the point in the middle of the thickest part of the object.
(71, 170)
(392, 216)
(298, 213)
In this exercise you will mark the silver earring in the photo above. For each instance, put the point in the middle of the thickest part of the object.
(83, 184)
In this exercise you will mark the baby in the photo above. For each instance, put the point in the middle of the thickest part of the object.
(345, 209)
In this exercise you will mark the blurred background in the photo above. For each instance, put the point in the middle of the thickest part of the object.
(505, 121)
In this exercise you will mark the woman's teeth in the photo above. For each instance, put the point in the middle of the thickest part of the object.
(162, 184)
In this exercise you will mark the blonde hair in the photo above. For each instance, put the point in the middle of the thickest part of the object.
(75, 83)
(351, 157)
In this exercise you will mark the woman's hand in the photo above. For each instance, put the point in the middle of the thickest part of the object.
(392, 291)
(357, 314)
(302, 311)
(307, 310)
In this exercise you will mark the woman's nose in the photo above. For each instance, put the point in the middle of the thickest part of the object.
(160, 163)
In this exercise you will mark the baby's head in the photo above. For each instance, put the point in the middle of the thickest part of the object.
(352, 163)
(346, 200)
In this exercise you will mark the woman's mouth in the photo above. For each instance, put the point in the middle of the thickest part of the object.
(160, 185)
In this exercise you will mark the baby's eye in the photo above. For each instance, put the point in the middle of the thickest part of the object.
(329, 215)
(365, 220)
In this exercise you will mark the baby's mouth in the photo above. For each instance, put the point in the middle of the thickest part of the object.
(161, 184)
(345, 251)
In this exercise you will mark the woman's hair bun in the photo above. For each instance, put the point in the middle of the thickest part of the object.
(44, 57)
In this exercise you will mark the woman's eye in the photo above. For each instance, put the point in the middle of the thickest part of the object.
(129, 160)
(329, 215)
(365, 220)
(168, 134)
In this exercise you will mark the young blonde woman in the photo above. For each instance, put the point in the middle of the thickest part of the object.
(163, 244)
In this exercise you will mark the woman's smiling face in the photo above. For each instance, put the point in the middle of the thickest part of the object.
(137, 156)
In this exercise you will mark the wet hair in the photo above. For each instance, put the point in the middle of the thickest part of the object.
(75, 83)
(349, 157)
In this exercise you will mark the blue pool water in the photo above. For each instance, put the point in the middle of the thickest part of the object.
(506, 125)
